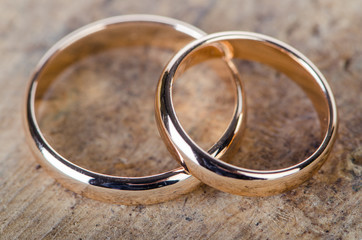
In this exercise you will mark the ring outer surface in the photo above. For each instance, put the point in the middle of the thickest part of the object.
(114, 189)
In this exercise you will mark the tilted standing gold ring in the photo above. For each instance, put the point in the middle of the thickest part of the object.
(107, 34)
(260, 48)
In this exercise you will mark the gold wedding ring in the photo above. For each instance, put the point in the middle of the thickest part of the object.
(254, 47)
(192, 46)
(129, 30)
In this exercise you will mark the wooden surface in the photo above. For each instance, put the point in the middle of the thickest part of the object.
(109, 125)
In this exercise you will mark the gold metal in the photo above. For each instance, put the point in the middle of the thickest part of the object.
(254, 47)
(106, 34)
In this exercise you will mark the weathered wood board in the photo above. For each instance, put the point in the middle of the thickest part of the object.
(109, 126)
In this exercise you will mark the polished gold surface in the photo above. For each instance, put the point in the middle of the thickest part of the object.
(123, 31)
(254, 47)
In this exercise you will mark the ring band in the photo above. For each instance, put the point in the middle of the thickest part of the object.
(224, 176)
(106, 34)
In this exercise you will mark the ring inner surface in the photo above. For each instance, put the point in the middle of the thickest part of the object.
(95, 99)
(309, 108)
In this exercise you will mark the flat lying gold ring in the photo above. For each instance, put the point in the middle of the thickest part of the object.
(255, 47)
(107, 34)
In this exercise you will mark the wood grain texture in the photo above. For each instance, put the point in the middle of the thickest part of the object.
(280, 124)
